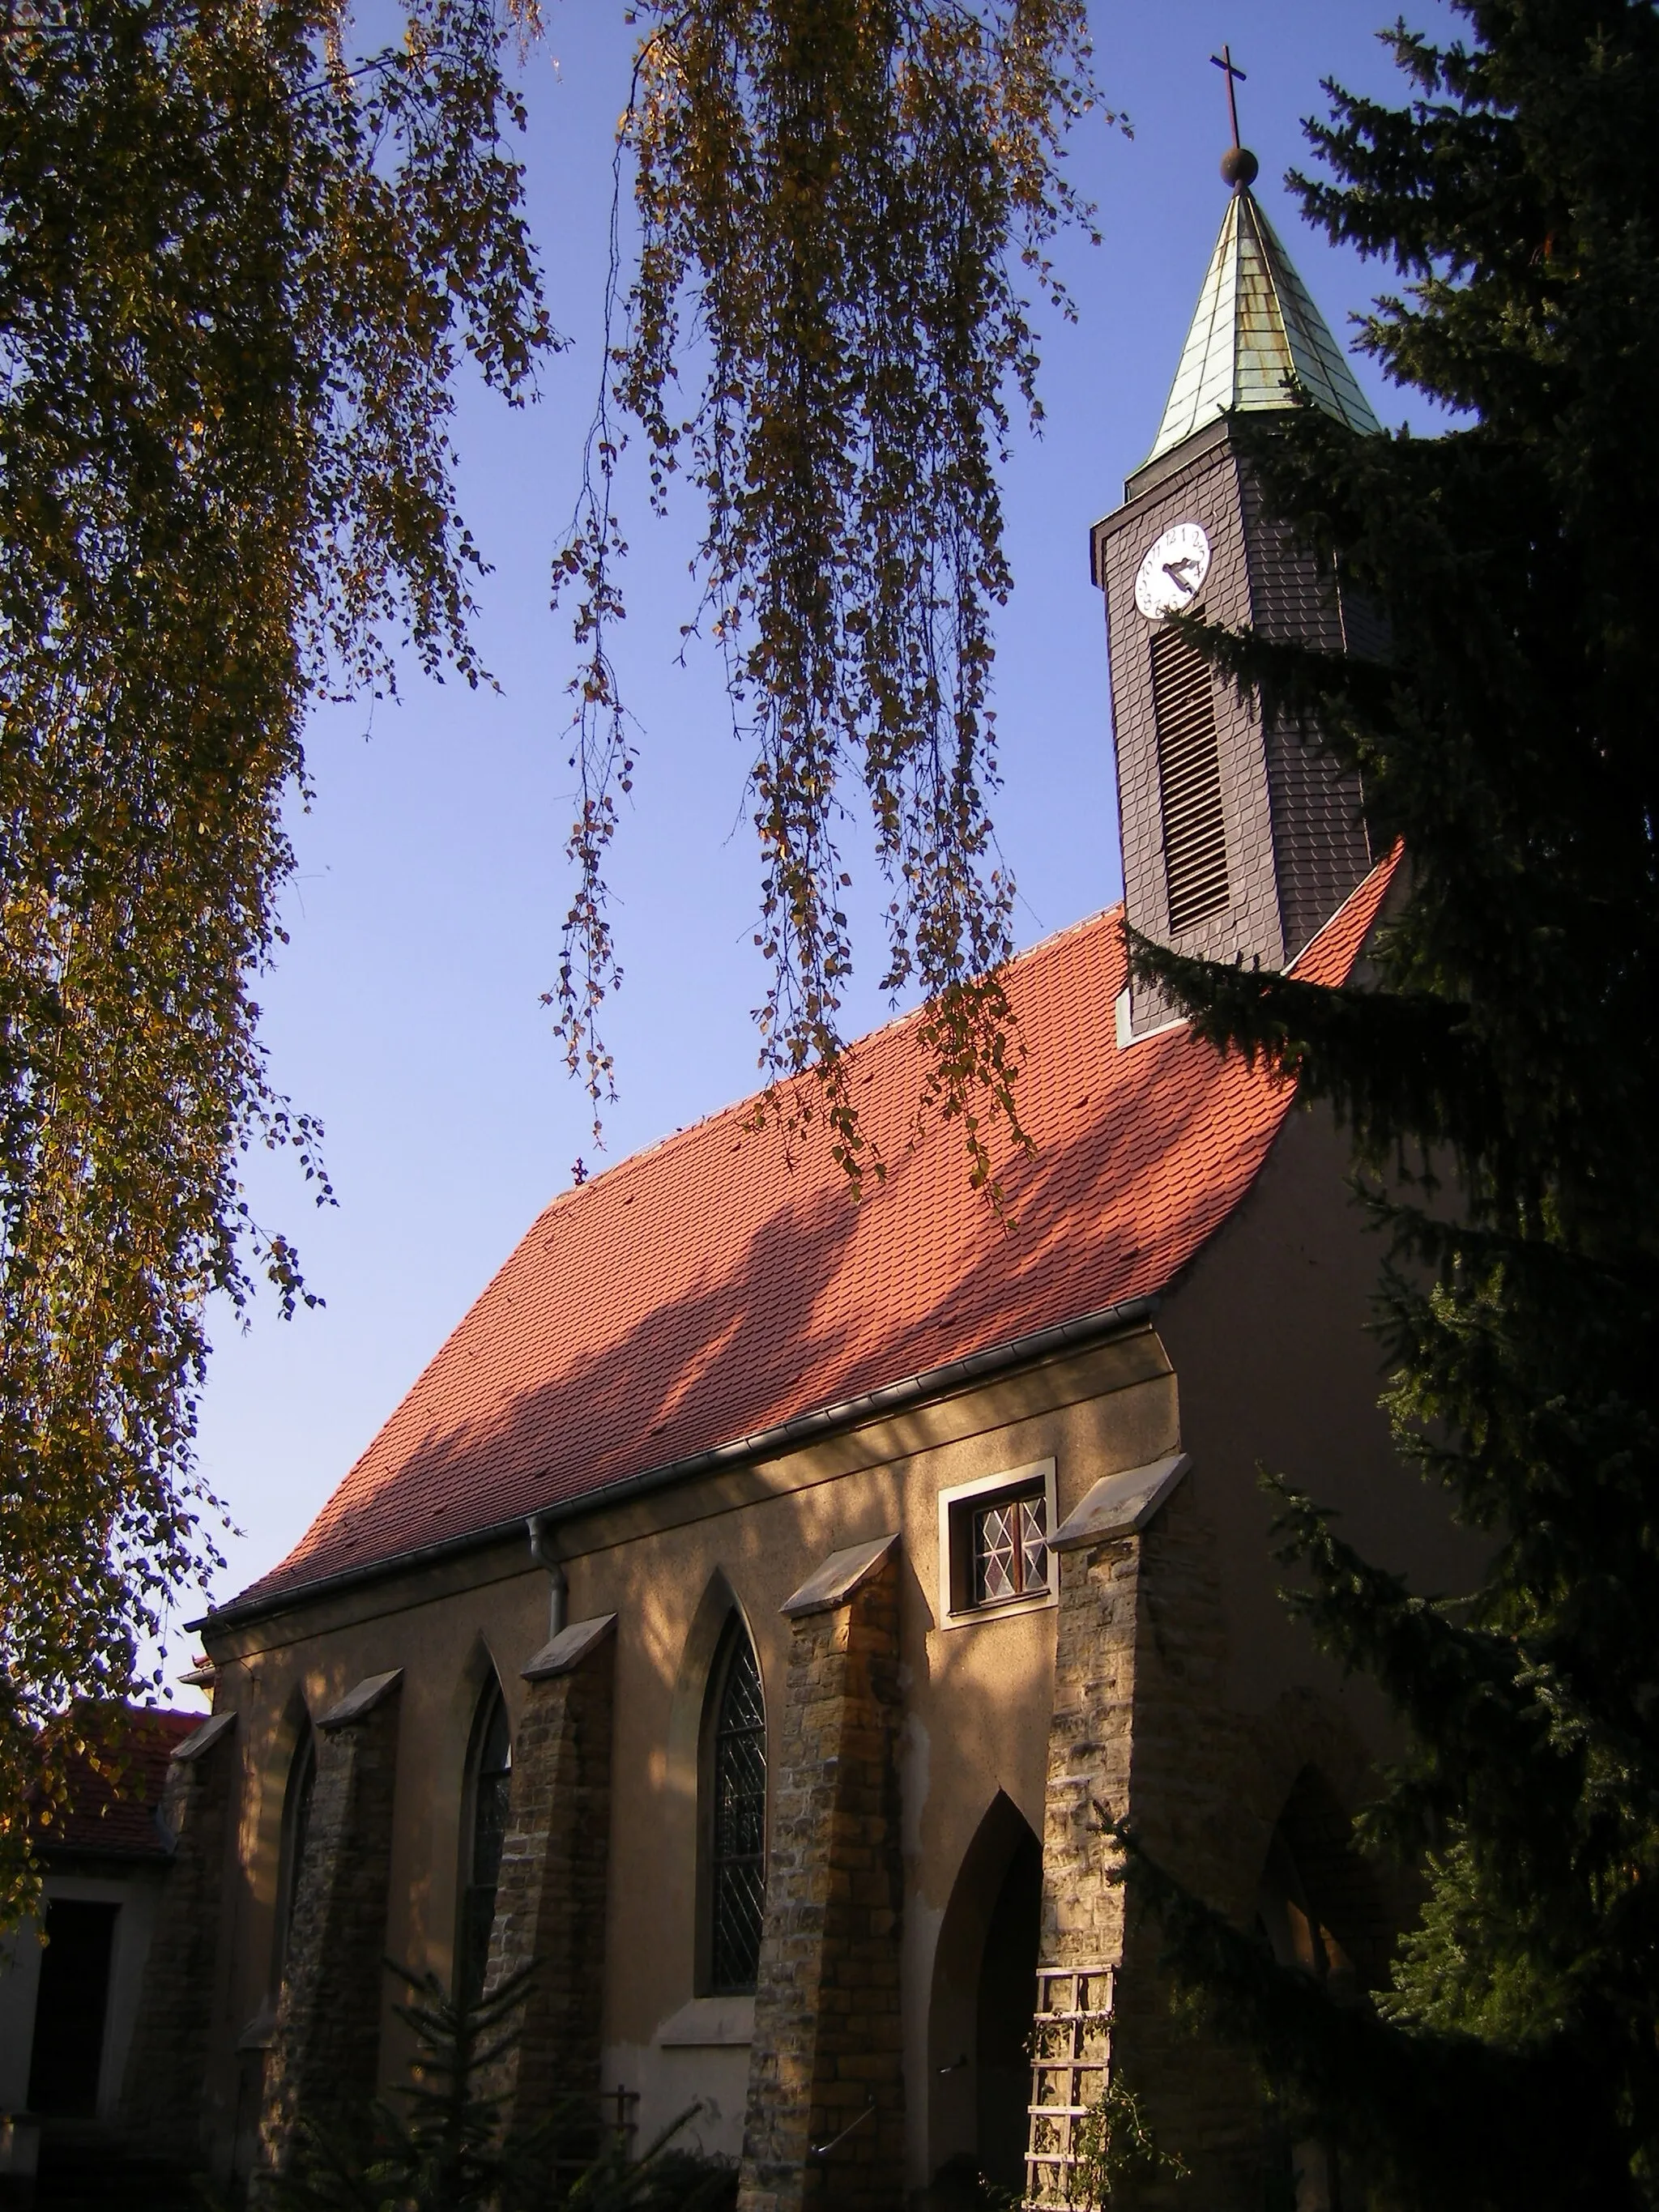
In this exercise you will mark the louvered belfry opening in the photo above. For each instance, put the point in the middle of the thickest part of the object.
(1189, 781)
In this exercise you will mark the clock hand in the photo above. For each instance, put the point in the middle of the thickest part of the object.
(1176, 573)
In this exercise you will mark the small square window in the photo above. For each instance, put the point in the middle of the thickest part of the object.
(993, 1545)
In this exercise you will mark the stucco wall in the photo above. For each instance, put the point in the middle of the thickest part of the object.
(1270, 1335)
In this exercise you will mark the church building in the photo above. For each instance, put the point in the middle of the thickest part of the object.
(746, 1613)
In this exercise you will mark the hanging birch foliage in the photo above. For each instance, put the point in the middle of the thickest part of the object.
(239, 266)
(839, 202)
(235, 280)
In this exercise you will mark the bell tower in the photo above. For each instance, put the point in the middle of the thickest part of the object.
(1240, 838)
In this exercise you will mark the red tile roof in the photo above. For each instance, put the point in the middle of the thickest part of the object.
(111, 1806)
(706, 1290)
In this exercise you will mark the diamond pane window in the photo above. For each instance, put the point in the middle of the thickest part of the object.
(488, 1800)
(1009, 1549)
(737, 1838)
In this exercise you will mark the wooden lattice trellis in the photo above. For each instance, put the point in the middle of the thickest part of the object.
(1071, 2050)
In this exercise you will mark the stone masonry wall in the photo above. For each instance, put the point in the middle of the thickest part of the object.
(1188, 1764)
(550, 1901)
(1138, 1728)
(161, 2097)
(827, 2045)
(1088, 1745)
(324, 2058)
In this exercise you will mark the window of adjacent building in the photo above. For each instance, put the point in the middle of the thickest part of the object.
(66, 2057)
(993, 1545)
(1189, 781)
(489, 1795)
(733, 1885)
(296, 1822)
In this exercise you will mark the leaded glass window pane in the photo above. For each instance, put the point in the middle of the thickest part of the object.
(1009, 1549)
(995, 1567)
(296, 1822)
(1033, 1543)
(737, 1840)
(491, 1796)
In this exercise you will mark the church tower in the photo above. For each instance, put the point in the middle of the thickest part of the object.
(1240, 839)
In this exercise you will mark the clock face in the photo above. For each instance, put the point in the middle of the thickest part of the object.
(1172, 575)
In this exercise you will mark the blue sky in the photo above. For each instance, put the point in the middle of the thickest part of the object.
(424, 918)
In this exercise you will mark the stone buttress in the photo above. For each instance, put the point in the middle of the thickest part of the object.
(825, 2119)
(324, 2056)
(161, 2095)
(551, 1897)
(1137, 1730)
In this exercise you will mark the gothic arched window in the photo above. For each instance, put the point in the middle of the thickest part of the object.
(489, 1792)
(734, 1817)
(296, 1820)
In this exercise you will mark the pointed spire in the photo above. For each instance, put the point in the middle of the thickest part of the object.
(1255, 325)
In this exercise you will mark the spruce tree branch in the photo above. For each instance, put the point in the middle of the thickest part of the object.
(1388, 1061)
(1344, 2074)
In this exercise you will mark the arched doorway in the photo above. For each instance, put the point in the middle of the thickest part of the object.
(984, 1984)
(1319, 1903)
(1007, 1984)
(1319, 1906)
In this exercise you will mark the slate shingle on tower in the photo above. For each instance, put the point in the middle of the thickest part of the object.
(1240, 837)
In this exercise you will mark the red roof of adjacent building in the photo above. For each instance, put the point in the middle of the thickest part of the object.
(713, 1288)
(113, 1786)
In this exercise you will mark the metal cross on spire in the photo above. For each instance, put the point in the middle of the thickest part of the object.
(1239, 166)
(1225, 62)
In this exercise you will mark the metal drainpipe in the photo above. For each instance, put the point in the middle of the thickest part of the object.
(542, 1550)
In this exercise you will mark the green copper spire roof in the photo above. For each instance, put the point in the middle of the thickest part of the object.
(1254, 326)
